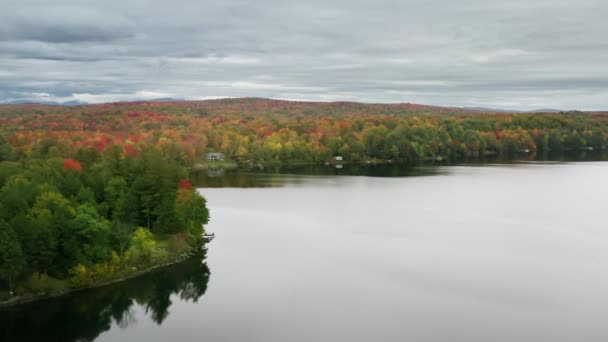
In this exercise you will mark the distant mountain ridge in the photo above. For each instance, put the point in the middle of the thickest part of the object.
(540, 110)
(46, 103)
(256, 99)
(83, 103)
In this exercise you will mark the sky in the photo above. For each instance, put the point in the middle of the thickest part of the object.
(468, 53)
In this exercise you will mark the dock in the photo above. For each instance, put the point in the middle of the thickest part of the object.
(209, 236)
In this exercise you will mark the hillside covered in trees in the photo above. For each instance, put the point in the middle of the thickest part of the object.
(272, 131)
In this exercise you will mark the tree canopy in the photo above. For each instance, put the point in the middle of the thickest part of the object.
(61, 217)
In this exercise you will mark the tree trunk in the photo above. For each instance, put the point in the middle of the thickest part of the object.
(148, 218)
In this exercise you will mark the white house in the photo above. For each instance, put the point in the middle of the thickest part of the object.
(214, 156)
(338, 158)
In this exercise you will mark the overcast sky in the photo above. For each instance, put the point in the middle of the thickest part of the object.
(511, 54)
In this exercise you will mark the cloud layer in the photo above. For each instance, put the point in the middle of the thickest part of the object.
(505, 54)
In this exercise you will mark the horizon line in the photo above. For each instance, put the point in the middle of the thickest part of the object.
(76, 103)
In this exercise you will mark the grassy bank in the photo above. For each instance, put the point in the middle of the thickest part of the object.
(160, 251)
(224, 164)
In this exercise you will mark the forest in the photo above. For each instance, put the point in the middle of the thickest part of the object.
(260, 131)
(89, 192)
(79, 217)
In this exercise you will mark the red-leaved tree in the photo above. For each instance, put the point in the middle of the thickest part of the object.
(71, 164)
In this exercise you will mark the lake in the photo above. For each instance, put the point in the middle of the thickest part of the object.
(513, 252)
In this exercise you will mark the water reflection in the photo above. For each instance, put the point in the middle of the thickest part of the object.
(83, 316)
(275, 176)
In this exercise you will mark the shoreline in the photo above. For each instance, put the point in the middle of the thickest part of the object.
(30, 298)
(533, 156)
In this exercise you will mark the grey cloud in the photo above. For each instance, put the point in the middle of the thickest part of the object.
(62, 23)
(59, 34)
(516, 54)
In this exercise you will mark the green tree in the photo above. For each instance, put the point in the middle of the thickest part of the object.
(56, 214)
(12, 260)
(93, 232)
(122, 233)
(142, 245)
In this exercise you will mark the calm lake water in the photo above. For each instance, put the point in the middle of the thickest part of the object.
(463, 253)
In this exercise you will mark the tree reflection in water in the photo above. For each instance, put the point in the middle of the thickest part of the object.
(82, 316)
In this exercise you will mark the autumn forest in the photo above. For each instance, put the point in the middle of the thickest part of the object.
(272, 131)
(88, 193)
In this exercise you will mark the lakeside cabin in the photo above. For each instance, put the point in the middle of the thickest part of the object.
(214, 156)
(338, 158)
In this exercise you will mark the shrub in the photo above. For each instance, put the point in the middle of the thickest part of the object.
(80, 275)
(41, 283)
(178, 243)
(142, 246)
